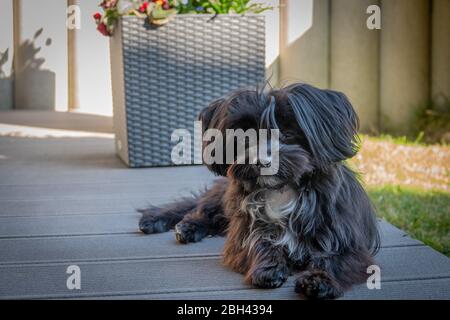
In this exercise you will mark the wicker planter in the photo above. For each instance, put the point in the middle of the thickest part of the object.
(162, 77)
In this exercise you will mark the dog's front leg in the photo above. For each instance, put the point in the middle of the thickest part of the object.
(329, 277)
(201, 223)
(162, 219)
(268, 265)
(208, 218)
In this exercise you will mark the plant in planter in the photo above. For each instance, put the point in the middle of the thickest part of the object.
(159, 12)
(166, 68)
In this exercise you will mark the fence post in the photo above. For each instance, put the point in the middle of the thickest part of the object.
(404, 60)
(6, 55)
(41, 80)
(304, 42)
(440, 49)
(355, 59)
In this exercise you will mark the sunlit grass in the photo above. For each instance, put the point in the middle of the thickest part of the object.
(424, 214)
(409, 182)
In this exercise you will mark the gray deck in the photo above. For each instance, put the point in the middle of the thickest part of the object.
(66, 201)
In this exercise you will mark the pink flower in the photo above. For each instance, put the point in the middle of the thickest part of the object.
(143, 7)
(108, 4)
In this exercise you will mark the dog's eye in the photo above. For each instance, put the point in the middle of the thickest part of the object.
(287, 136)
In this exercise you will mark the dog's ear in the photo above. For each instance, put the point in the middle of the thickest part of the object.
(210, 118)
(207, 114)
(328, 121)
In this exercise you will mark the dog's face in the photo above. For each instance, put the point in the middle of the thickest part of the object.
(315, 128)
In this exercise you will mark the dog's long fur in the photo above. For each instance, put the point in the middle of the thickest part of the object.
(313, 217)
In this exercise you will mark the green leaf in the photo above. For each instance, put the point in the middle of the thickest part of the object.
(159, 13)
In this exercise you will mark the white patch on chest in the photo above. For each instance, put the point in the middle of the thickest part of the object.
(272, 213)
(270, 206)
(279, 203)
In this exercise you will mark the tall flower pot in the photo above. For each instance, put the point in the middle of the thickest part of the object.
(163, 76)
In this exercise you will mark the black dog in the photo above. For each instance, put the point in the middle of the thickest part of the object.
(312, 216)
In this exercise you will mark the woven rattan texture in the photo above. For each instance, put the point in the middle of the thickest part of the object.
(173, 71)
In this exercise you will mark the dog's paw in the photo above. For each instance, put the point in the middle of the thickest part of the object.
(186, 232)
(316, 284)
(151, 222)
(270, 277)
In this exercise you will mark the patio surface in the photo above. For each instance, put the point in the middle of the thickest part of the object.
(65, 199)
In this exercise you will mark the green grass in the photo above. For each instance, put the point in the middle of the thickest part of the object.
(423, 214)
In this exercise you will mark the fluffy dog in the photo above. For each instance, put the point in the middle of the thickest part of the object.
(312, 217)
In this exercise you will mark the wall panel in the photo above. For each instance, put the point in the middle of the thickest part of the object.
(41, 76)
(354, 60)
(405, 60)
(304, 41)
(440, 50)
(6, 55)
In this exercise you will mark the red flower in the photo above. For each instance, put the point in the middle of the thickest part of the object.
(143, 7)
(103, 29)
(97, 16)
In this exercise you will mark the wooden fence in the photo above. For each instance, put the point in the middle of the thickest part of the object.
(388, 74)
